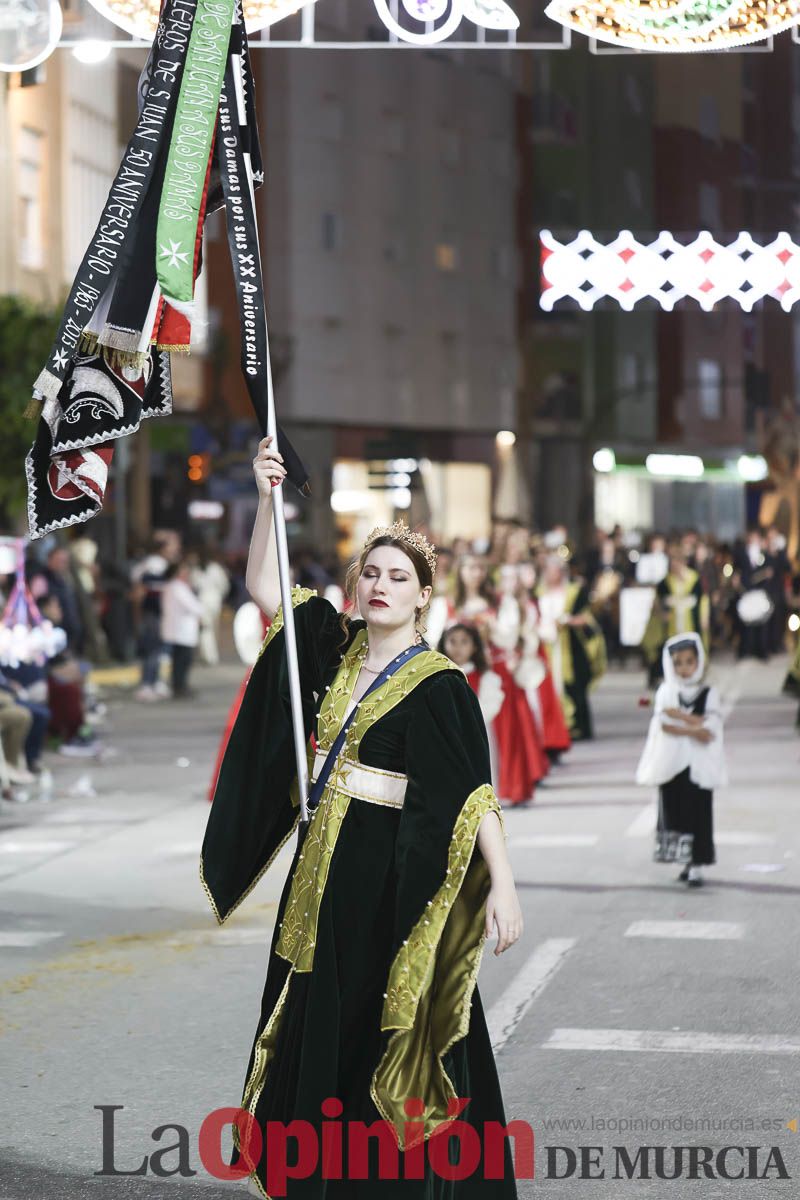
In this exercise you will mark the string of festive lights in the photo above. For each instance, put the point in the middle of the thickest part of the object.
(139, 18)
(666, 26)
(426, 22)
(665, 270)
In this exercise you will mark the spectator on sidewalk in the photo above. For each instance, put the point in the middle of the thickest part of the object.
(181, 611)
(28, 687)
(15, 723)
(148, 578)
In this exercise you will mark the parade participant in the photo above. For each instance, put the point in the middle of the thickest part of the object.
(463, 645)
(370, 998)
(574, 642)
(754, 606)
(684, 757)
(680, 607)
(522, 759)
(540, 689)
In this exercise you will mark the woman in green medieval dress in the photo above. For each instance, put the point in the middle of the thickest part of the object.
(370, 998)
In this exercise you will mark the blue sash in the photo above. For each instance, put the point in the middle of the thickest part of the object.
(387, 672)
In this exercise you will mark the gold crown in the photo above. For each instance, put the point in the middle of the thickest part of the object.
(401, 532)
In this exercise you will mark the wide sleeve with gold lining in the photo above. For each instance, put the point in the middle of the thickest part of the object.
(442, 884)
(254, 812)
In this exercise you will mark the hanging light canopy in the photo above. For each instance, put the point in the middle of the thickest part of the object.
(669, 26)
(139, 18)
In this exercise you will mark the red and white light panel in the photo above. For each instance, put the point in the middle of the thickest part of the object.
(666, 270)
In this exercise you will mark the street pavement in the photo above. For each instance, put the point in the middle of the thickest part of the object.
(633, 1013)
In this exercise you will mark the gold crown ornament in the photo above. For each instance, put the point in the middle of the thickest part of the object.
(401, 532)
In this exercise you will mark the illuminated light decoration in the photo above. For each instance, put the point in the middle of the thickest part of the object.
(29, 32)
(491, 14)
(139, 18)
(669, 26)
(425, 10)
(505, 437)
(486, 14)
(675, 466)
(604, 460)
(627, 271)
(91, 51)
(752, 467)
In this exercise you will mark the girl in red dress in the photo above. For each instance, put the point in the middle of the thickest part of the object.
(521, 761)
(462, 643)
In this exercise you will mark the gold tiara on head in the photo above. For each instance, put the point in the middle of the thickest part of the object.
(401, 533)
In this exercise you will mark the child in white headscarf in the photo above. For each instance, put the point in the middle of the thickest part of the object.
(684, 757)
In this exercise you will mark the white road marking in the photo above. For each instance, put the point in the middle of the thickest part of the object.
(763, 868)
(507, 1012)
(664, 1042)
(742, 837)
(554, 839)
(644, 825)
(708, 930)
(179, 849)
(31, 937)
(33, 847)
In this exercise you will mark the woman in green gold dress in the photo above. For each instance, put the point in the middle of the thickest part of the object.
(370, 998)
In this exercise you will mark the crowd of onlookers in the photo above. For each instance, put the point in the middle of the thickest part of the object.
(163, 610)
(160, 611)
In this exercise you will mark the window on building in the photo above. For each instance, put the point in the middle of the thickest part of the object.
(331, 119)
(331, 231)
(709, 118)
(446, 255)
(709, 389)
(633, 94)
(502, 263)
(710, 208)
(450, 143)
(393, 132)
(31, 153)
(633, 187)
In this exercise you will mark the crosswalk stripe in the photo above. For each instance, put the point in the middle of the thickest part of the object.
(644, 824)
(707, 930)
(507, 1012)
(18, 938)
(743, 837)
(533, 840)
(34, 847)
(666, 1042)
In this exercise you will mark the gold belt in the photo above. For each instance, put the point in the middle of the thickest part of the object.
(360, 782)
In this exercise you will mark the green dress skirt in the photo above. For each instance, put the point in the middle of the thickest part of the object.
(370, 997)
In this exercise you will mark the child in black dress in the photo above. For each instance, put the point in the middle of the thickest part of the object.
(684, 757)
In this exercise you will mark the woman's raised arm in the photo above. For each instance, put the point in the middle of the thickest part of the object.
(262, 579)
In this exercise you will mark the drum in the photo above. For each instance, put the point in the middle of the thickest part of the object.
(754, 607)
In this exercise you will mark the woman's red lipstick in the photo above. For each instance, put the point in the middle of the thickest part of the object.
(378, 604)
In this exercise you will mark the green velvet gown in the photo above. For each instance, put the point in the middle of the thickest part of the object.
(370, 994)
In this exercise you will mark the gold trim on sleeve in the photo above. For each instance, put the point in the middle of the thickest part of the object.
(432, 979)
(299, 596)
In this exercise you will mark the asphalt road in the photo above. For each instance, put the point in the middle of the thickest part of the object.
(634, 1013)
